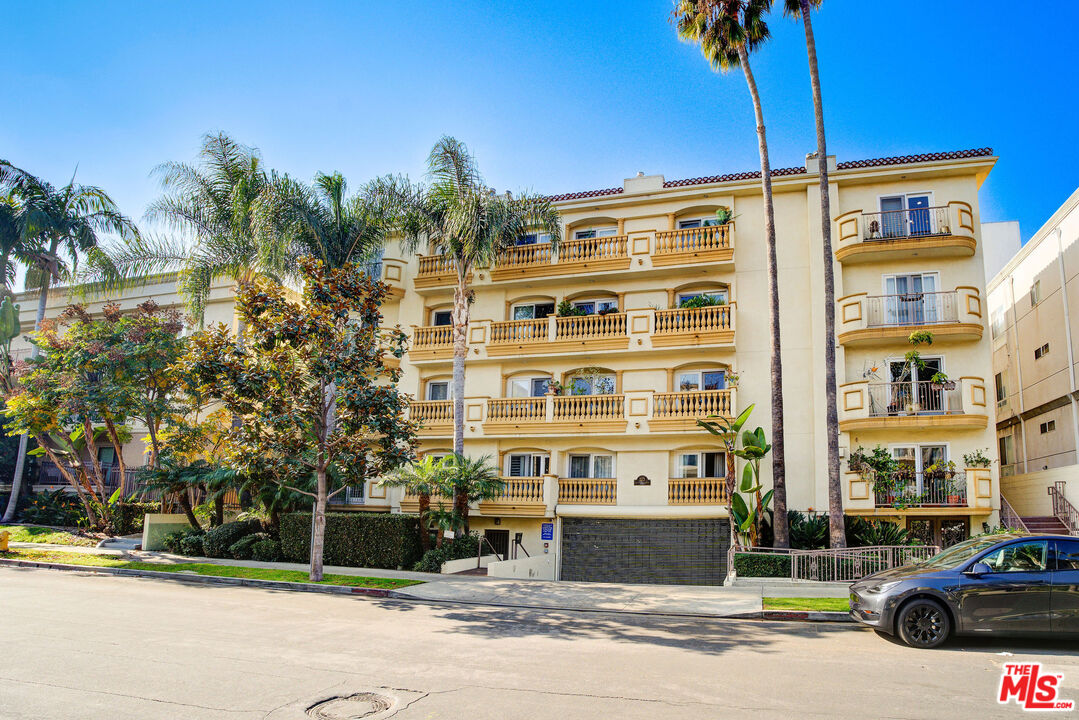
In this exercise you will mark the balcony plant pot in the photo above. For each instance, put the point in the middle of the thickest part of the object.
(952, 499)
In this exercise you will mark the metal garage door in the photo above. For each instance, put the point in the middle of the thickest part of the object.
(668, 552)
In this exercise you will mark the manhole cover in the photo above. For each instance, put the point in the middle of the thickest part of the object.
(350, 707)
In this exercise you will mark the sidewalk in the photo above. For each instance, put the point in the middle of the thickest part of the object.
(692, 600)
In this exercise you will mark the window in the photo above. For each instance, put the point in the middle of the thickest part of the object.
(697, 222)
(438, 390)
(527, 464)
(527, 386)
(1006, 449)
(592, 384)
(1067, 555)
(1036, 293)
(719, 295)
(1048, 427)
(996, 319)
(912, 299)
(441, 317)
(906, 215)
(594, 306)
(919, 457)
(1041, 352)
(903, 372)
(701, 465)
(591, 466)
(532, 310)
(700, 380)
(1020, 557)
(533, 239)
(595, 232)
(1002, 392)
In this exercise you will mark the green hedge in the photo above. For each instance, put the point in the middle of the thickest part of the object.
(467, 546)
(266, 551)
(762, 565)
(127, 517)
(355, 539)
(220, 539)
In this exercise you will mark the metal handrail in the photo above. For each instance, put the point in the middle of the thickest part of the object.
(842, 564)
(1062, 509)
(1009, 517)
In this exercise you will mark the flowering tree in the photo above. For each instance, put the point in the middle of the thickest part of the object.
(310, 386)
(94, 377)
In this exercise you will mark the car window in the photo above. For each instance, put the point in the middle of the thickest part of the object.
(1067, 554)
(959, 553)
(1018, 557)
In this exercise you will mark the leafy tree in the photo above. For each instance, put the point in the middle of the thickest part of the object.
(727, 31)
(96, 375)
(801, 9)
(56, 227)
(310, 386)
(458, 216)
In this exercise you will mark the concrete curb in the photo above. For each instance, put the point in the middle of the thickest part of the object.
(212, 579)
(781, 615)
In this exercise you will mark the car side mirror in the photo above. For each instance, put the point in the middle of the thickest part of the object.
(978, 568)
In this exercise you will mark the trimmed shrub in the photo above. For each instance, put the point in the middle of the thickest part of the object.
(268, 550)
(127, 517)
(192, 543)
(355, 539)
(241, 549)
(172, 541)
(456, 549)
(807, 531)
(219, 539)
(55, 507)
(762, 565)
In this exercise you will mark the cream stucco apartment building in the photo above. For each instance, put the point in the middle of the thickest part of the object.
(612, 479)
(1034, 320)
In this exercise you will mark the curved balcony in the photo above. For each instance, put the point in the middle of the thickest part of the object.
(435, 416)
(682, 410)
(710, 244)
(712, 325)
(943, 231)
(436, 271)
(573, 256)
(920, 405)
(864, 319)
(431, 343)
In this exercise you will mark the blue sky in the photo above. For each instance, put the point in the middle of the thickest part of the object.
(551, 96)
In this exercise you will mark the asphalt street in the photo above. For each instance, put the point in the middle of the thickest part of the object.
(76, 645)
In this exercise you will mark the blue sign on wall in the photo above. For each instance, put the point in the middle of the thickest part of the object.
(546, 531)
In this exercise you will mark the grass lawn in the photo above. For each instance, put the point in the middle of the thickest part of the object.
(33, 533)
(204, 569)
(817, 604)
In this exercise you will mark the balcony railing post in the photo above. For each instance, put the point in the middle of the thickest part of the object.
(548, 407)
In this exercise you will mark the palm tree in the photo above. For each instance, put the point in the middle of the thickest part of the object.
(472, 479)
(727, 32)
(801, 9)
(424, 478)
(210, 206)
(69, 222)
(323, 222)
(458, 216)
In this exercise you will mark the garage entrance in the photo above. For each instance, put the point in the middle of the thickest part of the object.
(628, 550)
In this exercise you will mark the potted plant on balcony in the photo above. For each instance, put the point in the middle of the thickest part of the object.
(732, 379)
(700, 301)
(723, 215)
(940, 381)
(976, 459)
(566, 309)
(939, 477)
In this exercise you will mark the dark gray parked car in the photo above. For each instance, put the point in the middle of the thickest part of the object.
(1013, 584)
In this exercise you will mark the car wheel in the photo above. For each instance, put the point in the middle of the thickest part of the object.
(923, 623)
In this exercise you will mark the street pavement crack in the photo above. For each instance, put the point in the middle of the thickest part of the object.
(127, 695)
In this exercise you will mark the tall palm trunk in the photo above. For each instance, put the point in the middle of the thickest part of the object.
(837, 534)
(20, 457)
(460, 350)
(425, 531)
(779, 483)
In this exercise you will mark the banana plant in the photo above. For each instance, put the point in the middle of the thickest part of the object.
(727, 431)
(9, 330)
(754, 448)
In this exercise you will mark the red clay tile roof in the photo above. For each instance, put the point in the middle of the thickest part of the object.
(733, 176)
(585, 194)
(778, 172)
(908, 159)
